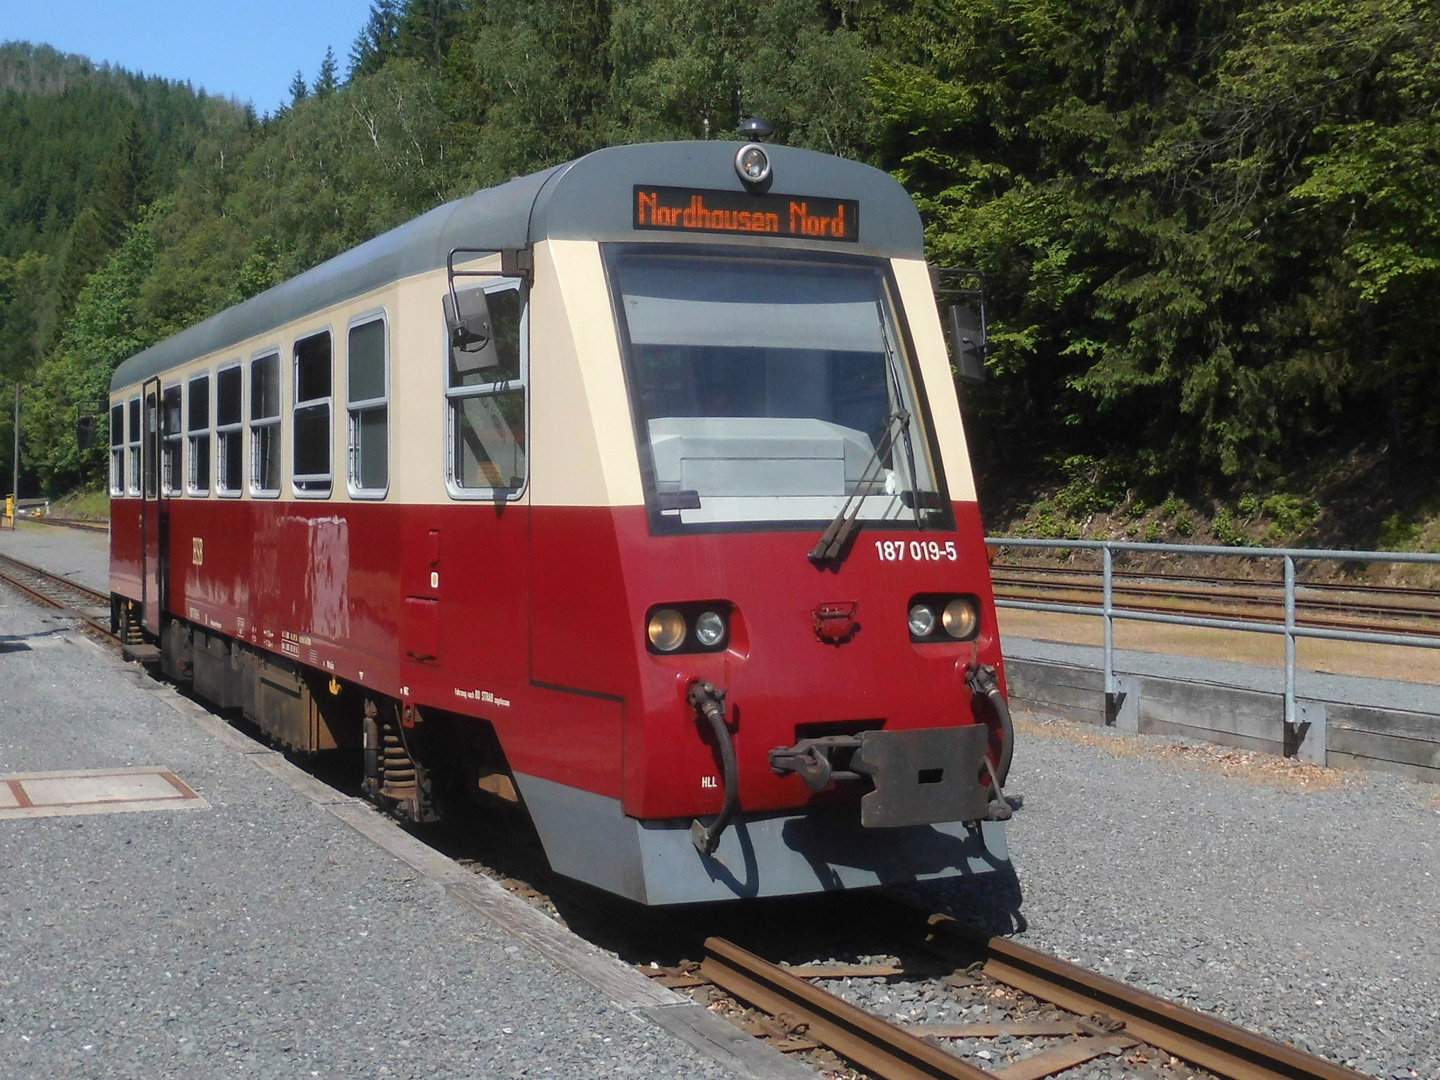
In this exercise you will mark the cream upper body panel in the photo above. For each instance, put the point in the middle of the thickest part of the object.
(419, 425)
(584, 451)
(913, 278)
(381, 303)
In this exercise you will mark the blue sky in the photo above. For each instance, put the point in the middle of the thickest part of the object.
(245, 49)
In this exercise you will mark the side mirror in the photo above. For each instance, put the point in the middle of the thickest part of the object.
(967, 341)
(85, 432)
(471, 339)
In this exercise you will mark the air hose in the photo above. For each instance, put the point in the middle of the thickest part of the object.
(983, 682)
(710, 703)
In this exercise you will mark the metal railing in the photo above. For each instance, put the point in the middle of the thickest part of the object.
(1108, 612)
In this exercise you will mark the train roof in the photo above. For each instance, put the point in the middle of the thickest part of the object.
(591, 198)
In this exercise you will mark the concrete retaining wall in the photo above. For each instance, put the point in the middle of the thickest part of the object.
(1335, 733)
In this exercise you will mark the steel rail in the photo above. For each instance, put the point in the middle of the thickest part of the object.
(877, 1046)
(1260, 599)
(1316, 594)
(13, 572)
(1253, 613)
(72, 523)
(1161, 578)
(1203, 1040)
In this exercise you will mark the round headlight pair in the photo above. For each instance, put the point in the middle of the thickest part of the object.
(922, 620)
(959, 618)
(667, 629)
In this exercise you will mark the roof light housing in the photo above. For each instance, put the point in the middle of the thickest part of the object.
(752, 165)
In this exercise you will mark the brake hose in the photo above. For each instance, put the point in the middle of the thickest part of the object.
(710, 703)
(983, 682)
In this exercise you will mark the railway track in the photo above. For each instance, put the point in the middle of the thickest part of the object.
(1066, 1015)
(72, 523)
(1323, 605)
(90, 606)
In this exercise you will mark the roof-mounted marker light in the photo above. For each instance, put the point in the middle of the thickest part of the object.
(752, 164)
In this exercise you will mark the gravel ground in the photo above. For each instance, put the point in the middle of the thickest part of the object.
(261, 938)
(1300, 902)
(82, 555)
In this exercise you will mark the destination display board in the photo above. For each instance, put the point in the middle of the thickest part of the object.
(691, 210)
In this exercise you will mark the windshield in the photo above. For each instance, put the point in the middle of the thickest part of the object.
(763, 385)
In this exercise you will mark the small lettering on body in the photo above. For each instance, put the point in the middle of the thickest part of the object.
(485, 697)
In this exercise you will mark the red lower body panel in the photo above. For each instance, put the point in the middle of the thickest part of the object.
(534, 620)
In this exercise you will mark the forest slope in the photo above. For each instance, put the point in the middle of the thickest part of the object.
(1208, 228)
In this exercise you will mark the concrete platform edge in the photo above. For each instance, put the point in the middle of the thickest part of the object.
(719, 1040)
(1357, 736)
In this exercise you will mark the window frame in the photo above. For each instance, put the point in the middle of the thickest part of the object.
(275, 422)
(228, 431)
(328, 403)
(134, 415)
(458, 394)
(171, 485)
(117, 450)
(353, 409)
(906, 355)
(193, 434)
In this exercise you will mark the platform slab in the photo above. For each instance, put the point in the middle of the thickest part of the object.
(267, 936)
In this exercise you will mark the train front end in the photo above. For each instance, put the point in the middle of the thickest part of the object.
(811, 681)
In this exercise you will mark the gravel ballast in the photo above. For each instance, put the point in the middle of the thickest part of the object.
(1300, 902)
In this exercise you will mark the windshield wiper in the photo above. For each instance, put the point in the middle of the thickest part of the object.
(832, 541)
(892, 364)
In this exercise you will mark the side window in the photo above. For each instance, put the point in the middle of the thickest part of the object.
(313, 378)
(172, 435)
(265, 425)
(197, 425)
(229, 438)
(132, 478)
(485, 388)
(368, 402)
(117, 449)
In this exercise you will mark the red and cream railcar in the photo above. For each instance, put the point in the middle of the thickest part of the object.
(633, 492)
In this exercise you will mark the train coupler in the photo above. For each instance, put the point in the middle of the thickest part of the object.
(918, 777)
(819, 762)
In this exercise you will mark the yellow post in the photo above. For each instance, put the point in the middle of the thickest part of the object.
(10, 509)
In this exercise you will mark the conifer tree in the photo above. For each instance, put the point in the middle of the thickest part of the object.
(376, 43)
(325, 82)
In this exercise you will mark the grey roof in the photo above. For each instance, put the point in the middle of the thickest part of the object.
(590, 198)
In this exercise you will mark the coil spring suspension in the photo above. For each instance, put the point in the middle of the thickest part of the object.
(393, 779)
(131, 632)
(397, 771)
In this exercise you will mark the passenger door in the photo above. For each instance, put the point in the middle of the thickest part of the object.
(154, 518)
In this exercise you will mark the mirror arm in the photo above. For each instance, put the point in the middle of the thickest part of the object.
(514, 263)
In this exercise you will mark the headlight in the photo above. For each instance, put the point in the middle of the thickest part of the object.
(922, 621)
(960, 618)
(752, 163)
(667, 629)
(709, 629)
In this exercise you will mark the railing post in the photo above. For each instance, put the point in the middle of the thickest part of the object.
(1107, 615)
(1290, 710)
